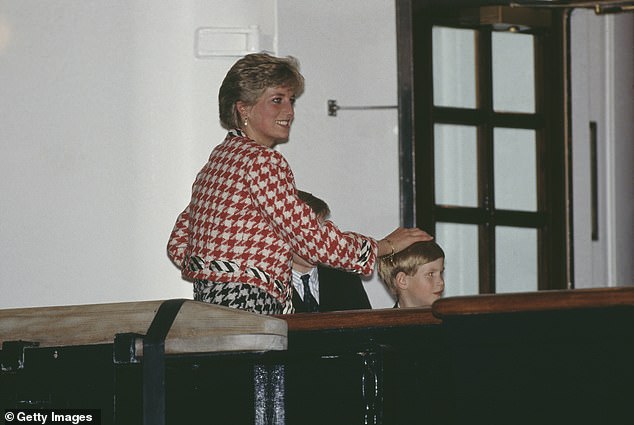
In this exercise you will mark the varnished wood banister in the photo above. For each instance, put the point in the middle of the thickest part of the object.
(534, 301)
(354, 319)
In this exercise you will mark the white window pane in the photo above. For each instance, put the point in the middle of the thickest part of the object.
(460, 243)
(513, 72)
(453, 55)
(515, 169)
(455, 165)
(515, 260)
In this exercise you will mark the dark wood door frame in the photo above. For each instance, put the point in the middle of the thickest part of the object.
(415, 106)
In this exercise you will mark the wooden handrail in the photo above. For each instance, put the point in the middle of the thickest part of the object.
(534, 301)
(199, 327)
(355, 319)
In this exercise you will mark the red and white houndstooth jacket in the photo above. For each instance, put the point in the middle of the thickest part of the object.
(245, 221)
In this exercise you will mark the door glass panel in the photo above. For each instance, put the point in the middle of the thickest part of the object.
(460, 243)
(515, 169)
(513, 72)
(455, 165)
(516, 259)
(454, 67)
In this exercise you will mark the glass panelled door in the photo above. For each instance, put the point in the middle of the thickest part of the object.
(487, 146)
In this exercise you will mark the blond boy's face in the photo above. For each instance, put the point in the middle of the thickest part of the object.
(424, 287)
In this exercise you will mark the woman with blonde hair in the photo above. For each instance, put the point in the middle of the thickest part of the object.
(236, 238)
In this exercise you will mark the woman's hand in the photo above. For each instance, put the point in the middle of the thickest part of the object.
(400, 239)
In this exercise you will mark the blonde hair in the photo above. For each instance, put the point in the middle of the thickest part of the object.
(249, 77)
(408, 261)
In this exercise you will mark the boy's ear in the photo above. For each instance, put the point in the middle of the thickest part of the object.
(401, 280)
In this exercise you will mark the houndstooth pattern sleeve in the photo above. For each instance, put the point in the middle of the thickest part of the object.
(178, 241)
(274, 193)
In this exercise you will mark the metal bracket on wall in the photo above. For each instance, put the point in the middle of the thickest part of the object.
(333, 107)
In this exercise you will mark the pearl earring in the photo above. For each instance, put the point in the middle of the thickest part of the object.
(246, 121)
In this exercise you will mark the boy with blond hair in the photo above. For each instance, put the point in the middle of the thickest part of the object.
(415, 275)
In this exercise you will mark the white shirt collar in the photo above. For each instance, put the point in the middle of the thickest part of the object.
(313, 282)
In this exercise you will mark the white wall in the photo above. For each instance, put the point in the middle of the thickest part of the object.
(347, 50)
(603, 91)
(106, 115)
(105, 118)
(621, 59)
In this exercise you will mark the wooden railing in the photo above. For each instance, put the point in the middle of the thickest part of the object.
(542, 357)
(561, 356)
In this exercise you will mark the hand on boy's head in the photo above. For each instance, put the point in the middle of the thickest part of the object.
(403, 237)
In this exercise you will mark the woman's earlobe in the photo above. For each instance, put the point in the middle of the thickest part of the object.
(242, 107)
(243, 112)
